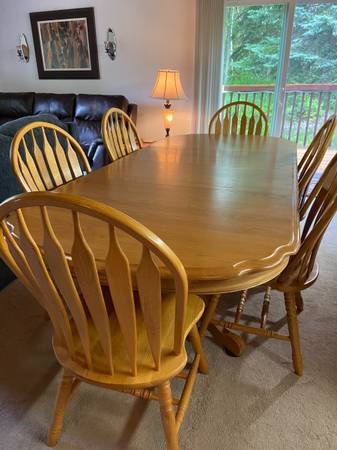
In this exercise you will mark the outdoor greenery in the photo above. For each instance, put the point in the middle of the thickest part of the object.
(313, 56)
(253, 40)
(253, 36)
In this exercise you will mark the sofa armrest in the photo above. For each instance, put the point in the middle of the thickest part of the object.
(72, 129)
(97, 154)
(132, 112)
(93, 147)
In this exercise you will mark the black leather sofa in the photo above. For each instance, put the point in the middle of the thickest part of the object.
(81, 112)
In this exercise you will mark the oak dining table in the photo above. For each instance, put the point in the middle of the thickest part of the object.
(227, 206)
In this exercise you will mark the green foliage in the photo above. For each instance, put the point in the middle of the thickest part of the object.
(253, 42)
(313, 57)
(253, 39)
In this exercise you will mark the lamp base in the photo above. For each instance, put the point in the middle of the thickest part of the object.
(168, 117)
(167, 104)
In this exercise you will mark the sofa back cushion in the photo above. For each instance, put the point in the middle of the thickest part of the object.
(15, 104)
(9, 186)
(8, 183)
(89, 110)
(10, 128)
(61, 105)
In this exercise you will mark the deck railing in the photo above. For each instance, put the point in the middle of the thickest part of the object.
(307, 107)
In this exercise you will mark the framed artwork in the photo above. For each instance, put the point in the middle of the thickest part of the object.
(65, 43)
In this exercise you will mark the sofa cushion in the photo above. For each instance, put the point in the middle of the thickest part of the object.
(88, 131)
(92, 107)
(61, 105)
(10, 128)
(15, 104)
(8, 187)
(6, 275)
(8, 184)
(89, 110)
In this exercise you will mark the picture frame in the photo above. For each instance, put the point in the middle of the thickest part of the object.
(65, 43)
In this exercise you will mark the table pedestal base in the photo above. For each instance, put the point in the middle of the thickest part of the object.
(225, 338)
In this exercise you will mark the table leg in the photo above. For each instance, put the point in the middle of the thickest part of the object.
(209, 313)
(231, 341)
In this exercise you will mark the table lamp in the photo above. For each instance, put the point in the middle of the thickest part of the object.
(168, 87)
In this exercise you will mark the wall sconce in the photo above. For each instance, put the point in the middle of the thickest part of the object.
(111, 44)
(168, 87)
(22, 50)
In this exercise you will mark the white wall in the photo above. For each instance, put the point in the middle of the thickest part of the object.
(151, 34)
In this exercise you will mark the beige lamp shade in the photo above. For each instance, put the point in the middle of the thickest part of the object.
(168, 85)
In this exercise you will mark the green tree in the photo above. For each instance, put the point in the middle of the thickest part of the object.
(253, 40)
(313, 58)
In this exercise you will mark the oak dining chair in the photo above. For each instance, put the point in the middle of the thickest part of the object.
(239, 118)
(306, 170)
(119, 133)
(301, 271)
(44, 156)
(108, 337)
(313, 157)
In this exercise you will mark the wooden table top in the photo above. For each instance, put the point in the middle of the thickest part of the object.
(227, 207)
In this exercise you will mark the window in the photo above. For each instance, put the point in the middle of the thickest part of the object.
(282, 57)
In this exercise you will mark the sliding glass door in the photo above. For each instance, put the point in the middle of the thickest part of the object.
(253, 45)
(311, 89)
(282, 57)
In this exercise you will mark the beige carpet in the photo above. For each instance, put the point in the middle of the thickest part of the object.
(252, 402)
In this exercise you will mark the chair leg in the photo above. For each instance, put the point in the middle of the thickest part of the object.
(168, 416)
(265, 307)
(241, 305)
(64, 393)
(209, 313)
(290, 303)
(197, 346)
(299, 302)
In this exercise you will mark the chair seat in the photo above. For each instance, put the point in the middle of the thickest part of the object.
(147, 375)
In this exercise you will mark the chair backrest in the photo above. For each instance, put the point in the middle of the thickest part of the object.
(45, 156)
(43, 267)
(321, 188)
(313, 157)
(318, 210)
(239, 119)
(120, 135)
